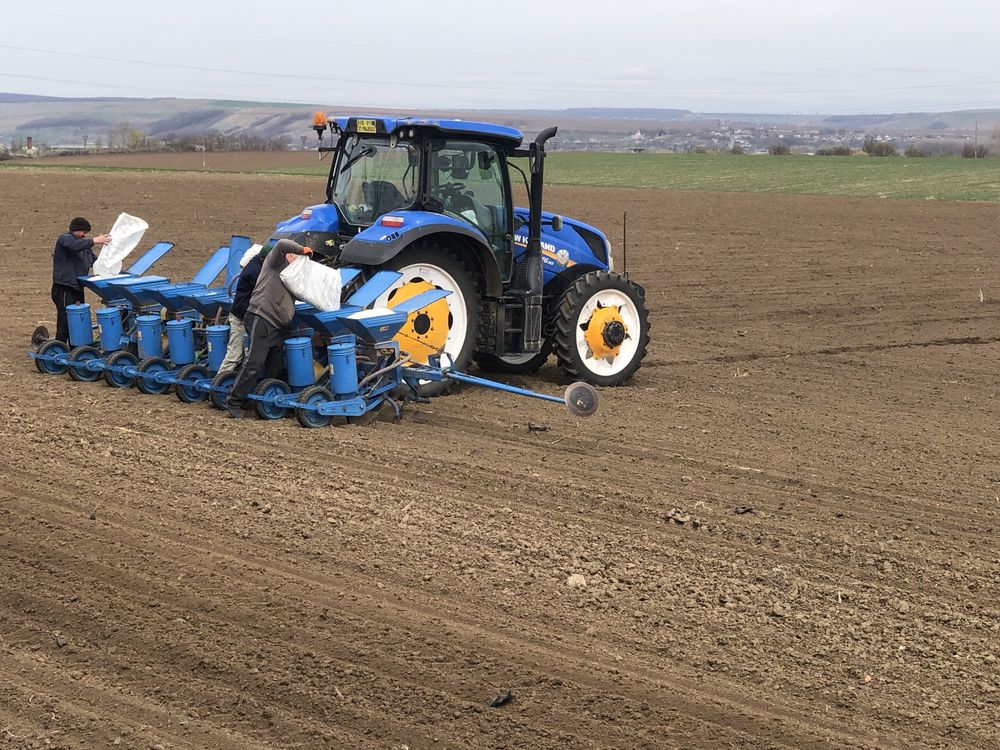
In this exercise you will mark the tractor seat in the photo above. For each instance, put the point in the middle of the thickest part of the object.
(383, 197)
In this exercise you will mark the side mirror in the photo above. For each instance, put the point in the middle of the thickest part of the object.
(557, 223)
(485, 160)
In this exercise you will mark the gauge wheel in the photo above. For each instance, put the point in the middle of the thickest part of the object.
(78, 359)
(187, 390)
(146, 370)
(450, 325)
(314, 395)
(52, 348)
(39, 336)
(120, 379)
(269, 388)
(581, 399)
(225, 381)
(602, 329)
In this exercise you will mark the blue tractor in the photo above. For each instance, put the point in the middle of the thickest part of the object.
(432, 200)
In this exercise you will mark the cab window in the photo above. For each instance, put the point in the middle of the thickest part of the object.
(466, 179)
(375, 178)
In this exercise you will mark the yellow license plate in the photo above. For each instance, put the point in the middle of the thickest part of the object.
(366, 126)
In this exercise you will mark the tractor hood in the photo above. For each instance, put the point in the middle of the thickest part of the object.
(576, 243)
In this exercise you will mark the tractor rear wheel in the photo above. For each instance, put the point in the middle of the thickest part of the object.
(602, 328)
(449, 326)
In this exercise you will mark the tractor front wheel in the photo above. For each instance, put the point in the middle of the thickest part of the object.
(450, 325)
(602, 328)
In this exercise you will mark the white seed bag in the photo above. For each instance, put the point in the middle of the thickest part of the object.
(313, 283)
(251, 251)
(125, 235)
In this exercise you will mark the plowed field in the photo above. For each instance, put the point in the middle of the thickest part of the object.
(786, 525)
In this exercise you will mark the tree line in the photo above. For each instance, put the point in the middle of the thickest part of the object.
(124, 137)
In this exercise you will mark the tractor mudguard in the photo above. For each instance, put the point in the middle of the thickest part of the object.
(380, 243)
(316, 226)
(322, 217)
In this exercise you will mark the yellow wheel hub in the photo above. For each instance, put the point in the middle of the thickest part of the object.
(605, 332)
(426, 330)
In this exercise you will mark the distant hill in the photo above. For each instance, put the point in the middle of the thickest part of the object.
(62, 121)
(605, 113)
(928, 122)
(17, 98)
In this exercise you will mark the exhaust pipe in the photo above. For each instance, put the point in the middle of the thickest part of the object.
(533, 253)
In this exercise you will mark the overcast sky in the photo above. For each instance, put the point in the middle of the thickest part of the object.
(828, 56)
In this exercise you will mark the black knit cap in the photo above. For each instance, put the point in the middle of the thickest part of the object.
(79, 224)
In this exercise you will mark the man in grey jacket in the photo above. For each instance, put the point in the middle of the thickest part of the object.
(268, 322)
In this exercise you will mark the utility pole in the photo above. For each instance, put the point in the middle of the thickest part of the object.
(84, 143)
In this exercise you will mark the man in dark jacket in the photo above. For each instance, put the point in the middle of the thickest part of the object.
(72, 258)
(268, 322)
(245, 283)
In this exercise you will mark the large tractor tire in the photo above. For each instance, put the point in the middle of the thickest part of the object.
(602, 329)
(449, 325)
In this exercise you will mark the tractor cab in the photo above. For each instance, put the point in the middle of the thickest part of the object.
(450, 168)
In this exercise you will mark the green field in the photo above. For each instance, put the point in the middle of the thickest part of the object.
(897, 177)
(919, 179)
(922, 179)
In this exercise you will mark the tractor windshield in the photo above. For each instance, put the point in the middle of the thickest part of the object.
(375, 178)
